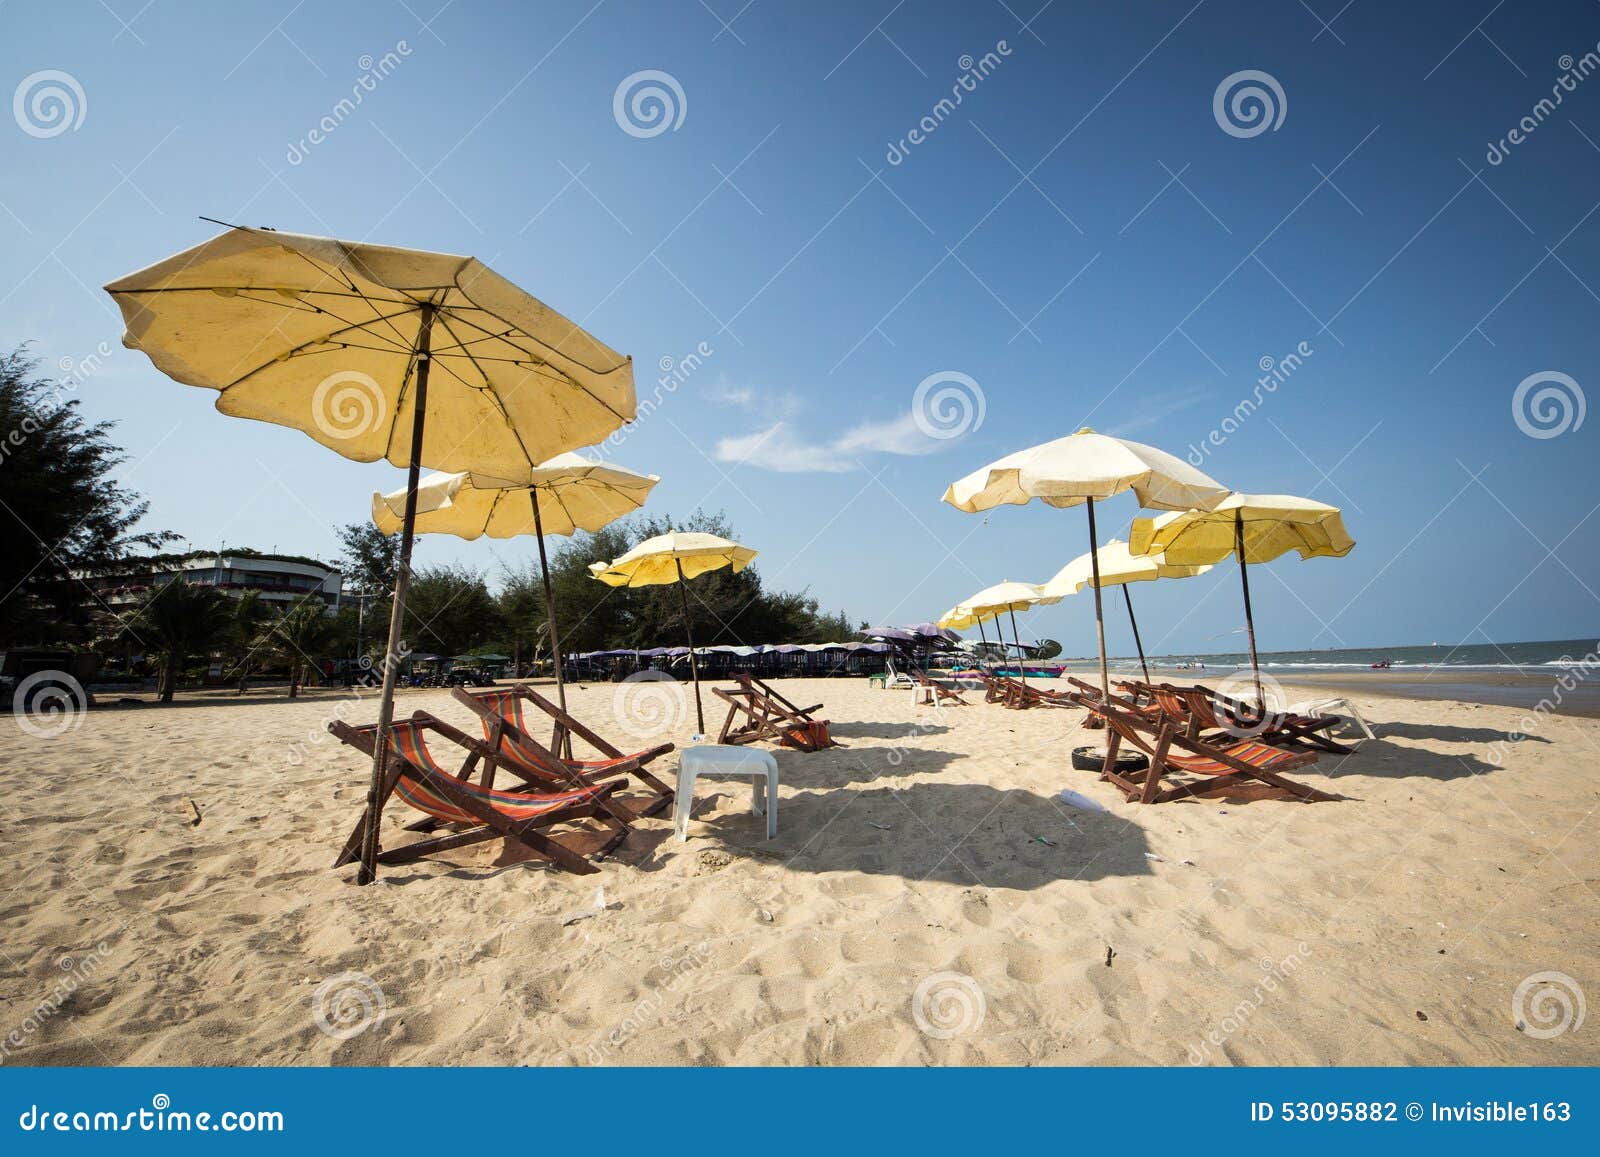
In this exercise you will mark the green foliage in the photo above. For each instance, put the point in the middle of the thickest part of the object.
(246, 635)
(179, 620)
(368, 558)
(301, 637)
(449, 610)
(60, 510)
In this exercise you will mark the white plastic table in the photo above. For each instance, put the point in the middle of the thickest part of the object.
(726, 759)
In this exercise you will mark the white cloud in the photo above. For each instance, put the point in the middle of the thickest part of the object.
(778, 448)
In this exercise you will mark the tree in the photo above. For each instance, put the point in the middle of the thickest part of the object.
(179, 620)
(521, 608)
(449, 610)
(368, 558)
(244, 636)
(61, 513)
(300, 636)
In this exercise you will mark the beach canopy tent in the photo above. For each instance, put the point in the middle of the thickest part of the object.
(419, 358)
(1116, 565)
(676, 557)
(1084, 468)
(1251, 528)
(1005, 598)
(563, 495)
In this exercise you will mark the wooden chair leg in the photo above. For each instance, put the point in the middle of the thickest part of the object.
(1158, 765)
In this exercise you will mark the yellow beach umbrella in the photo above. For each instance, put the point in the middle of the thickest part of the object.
(1005, 598)
(1081, 469)
(564, 495)
(1115, 565)
(676, 557)
(1251, 528)
(337, 339)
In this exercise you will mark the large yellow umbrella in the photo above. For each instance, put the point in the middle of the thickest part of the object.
(1083, 468)
(1251, 528)
(337, 339)
(1005, 598)
(1114, 565)
(567, 494)
(676, 557)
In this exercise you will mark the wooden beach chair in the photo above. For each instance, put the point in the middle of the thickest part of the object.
(1246, 769)
(931, 694)
(506, 732)
(481, 812)
(757, 711)
(1281, 729)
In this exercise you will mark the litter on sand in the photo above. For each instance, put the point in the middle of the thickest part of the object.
(1081, 802)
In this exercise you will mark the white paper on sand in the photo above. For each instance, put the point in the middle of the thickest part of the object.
(1081, 802)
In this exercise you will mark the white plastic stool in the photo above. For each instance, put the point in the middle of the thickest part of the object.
(725, 759)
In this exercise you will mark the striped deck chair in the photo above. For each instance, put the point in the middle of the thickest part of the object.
(931, 694)
(483, 812)
(1213, 710)
(1246, 769)
(506, 731)
(757, 711)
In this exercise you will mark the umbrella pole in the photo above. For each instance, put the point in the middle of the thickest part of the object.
(550, 619)
(1249, 619)
(1022, 672)
(1099, 612)
(688, 630)
(984, 639)
(1134, 623)
(397, 613)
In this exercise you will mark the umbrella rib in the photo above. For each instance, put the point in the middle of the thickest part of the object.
(324, 339)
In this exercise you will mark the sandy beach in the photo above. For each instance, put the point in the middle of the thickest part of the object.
(929, 855)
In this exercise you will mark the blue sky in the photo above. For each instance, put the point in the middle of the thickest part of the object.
(1081, 238)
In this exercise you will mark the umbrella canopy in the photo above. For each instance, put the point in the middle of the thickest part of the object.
(572, 494)
(1251, 528)
(1072, 470)
(676, 557)
(339, 339)
(564, 495)
(1114, 565)
(1118, 566)
(324, 336)
(990, 603)
(898, 634)
(671, 557)
(1274, 524)
(1082, 468)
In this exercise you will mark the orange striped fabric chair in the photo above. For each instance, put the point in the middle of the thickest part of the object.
(1247, 768)
(506, 731)
(480, 810)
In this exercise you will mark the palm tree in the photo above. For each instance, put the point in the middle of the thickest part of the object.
(299, 635)
(179, 620)
(245, 635)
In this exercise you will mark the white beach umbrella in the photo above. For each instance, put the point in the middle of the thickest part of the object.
(1084, 468)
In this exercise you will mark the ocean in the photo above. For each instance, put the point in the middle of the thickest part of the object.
(1537, 658)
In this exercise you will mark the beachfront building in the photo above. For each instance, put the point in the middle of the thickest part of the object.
(282, 580)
